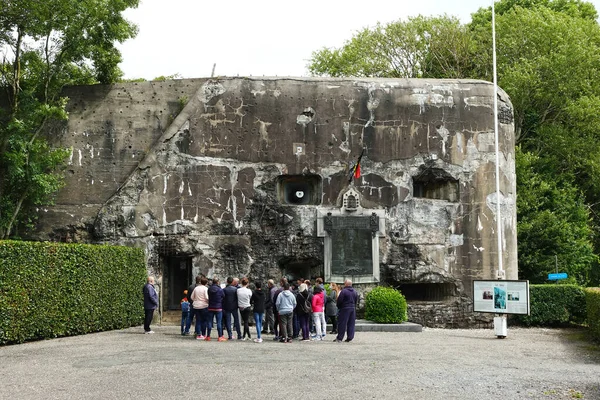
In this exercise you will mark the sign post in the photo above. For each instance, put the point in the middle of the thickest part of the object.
(501, 297)
(557, 276)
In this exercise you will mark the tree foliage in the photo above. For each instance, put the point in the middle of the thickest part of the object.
(548, 54)
(44, 46)
(420, 47)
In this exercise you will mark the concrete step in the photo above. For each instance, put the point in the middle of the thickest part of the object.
(362, 325)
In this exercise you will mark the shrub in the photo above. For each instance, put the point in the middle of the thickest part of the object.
(385, 305)
(51, 289)
(554, 305)
(592, 301)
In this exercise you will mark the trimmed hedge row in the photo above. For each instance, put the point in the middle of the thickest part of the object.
(554, 305)
(592, 300)
(385, 305)
(51, 289)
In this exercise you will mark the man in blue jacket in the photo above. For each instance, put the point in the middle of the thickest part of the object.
(150, 303)
(346, 303)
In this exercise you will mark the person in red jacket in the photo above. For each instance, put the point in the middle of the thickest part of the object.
(318, 304)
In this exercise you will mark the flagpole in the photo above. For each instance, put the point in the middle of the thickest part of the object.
(498, 215)
(500, 320)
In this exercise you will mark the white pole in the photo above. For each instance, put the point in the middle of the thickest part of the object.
(498, 215)
(500, 320)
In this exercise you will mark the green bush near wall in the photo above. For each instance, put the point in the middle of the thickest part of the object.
(592, 300)
(385, 305)
(554, 305)
(51, 289)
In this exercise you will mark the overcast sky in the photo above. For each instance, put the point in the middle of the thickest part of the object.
(261, 37)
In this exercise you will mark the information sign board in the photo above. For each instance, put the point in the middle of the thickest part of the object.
(501, 297)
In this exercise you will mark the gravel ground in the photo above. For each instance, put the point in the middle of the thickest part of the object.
(433, 364)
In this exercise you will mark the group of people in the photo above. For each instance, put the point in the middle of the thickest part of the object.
(297, 310)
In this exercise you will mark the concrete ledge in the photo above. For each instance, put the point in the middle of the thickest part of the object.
(369, 326)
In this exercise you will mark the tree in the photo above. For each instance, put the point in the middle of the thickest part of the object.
(421, 47)
(553, 221)
(47, 45)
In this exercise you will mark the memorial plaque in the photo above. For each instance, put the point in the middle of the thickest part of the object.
(351, 246)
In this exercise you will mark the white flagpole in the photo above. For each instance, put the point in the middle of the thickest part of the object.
(500, 320)
(498, 215)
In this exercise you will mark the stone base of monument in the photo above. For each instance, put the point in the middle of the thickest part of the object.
(363, 325)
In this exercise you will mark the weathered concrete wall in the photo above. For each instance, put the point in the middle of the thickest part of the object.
(201, 180)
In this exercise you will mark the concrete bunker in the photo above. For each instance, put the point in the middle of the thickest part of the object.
(241, 182)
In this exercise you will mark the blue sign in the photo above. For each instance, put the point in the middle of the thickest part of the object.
(555, 277)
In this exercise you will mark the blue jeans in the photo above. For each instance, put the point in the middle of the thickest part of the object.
(201, 320)
(219, 316)
(258, 321)
(185, 322)
(236, 322)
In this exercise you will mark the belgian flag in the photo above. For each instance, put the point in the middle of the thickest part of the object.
(355, 170)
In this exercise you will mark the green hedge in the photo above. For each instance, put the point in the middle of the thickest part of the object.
(51, 289)
(385, 305)
(592, 301)
(554, 305)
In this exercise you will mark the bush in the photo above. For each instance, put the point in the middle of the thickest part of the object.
(554, 305)
(51, 289)
(385, 305)
(592, 301)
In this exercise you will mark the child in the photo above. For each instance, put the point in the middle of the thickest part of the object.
(185, 312)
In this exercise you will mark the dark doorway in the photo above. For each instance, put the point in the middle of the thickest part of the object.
(293, 269)
(177, 277)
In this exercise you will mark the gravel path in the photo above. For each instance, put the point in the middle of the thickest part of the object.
(433, 364)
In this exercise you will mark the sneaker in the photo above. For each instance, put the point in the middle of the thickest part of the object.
(275, 338)
(305, 340)
(289, 340)
(257, 340)
(207, 339)
(347, 341)
(148, 332)
(336, 340)
(200, 337)
(282, 340)
(222, 339)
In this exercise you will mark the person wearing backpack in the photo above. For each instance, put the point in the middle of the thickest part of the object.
(303, 309)
(318, 303)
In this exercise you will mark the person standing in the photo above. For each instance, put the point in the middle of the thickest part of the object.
(331, 310)
(303, 310)
(150, 303)
(215, 309)
(200, 304)
(269, 316)
(275, 292)
(244, 295)
(318, 304)
(286, 302)
(346, 303)
(230, 306)
(185, 312)
(191, 317)
(258, 302)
